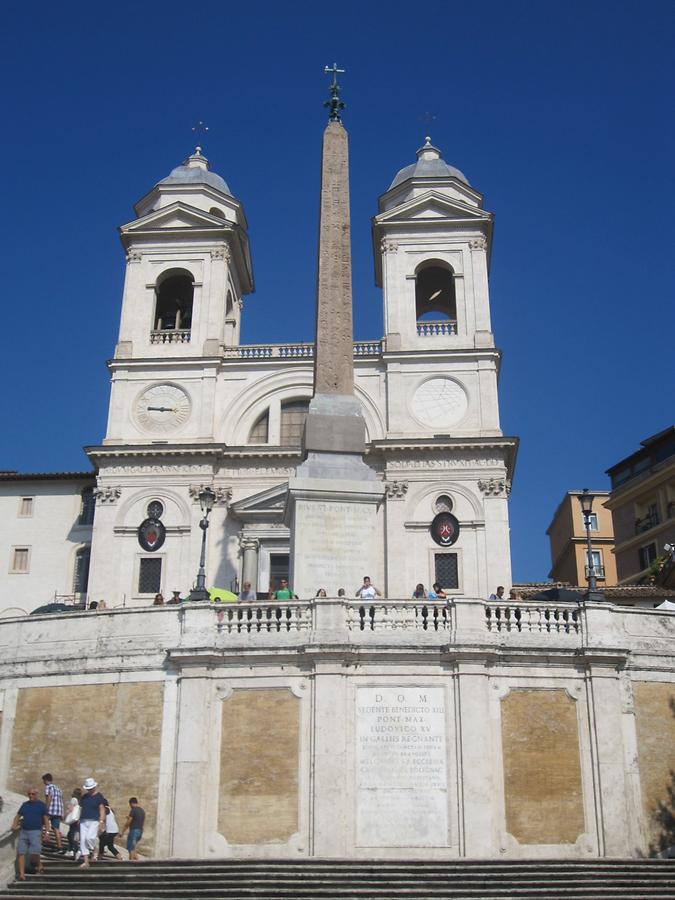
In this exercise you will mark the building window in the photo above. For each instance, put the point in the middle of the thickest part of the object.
(150, 575)
(26, 507)
(446, 571)
(592, 521)
(173, 312)
(19, 561)
(647, 555)
(443, 504)
(81, 570)
(293, 416)
(87, 503)
(259, 434)
(598, 568)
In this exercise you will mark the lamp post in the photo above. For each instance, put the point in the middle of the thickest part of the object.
(586, 500)
(207, 500)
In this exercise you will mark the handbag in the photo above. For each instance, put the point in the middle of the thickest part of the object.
(73, 815)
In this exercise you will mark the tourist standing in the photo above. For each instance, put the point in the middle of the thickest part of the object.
(135, 822)
(31, 818)
(55, 810)
(367, 591)
(247, 594)
(284, 592)
(92, 820)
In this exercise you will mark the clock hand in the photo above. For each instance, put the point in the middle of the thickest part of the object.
(161, 409)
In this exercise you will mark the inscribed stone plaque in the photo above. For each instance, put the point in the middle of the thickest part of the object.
(334, 545)
(402, 797)
(259, 761)
(111, 732)
(542, 770)
(655, 724)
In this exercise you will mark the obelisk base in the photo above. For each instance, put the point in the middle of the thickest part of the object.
(336, 533)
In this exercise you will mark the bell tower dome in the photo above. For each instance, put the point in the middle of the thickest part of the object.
(431, 242)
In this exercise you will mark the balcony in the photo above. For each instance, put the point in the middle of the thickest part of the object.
(647, 522)
(437, 329)
(170, 336)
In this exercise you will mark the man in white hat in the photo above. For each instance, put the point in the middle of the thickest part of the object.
(92, 820)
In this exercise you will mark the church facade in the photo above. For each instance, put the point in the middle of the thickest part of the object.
(192, 406)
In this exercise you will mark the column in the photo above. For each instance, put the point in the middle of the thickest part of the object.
(249, 548)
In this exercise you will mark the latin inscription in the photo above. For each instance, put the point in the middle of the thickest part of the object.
(401, 767)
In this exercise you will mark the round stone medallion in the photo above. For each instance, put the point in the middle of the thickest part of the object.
(440, 402)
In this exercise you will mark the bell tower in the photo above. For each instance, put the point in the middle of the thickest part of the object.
(431, 242)
(188, 268)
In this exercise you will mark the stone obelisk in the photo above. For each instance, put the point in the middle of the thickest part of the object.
(332, 503)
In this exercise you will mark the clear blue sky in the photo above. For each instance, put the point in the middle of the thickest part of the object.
(560, 113)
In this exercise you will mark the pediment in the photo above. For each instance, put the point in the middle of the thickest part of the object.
(433, 205)
(267, 504)
(175, 215)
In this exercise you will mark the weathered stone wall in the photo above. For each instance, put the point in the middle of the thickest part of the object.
(542, 771)
(258, 796)
(655, 722)
(108, 731)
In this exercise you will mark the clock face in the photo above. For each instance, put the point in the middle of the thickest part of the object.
(440, 403)
(162, 407)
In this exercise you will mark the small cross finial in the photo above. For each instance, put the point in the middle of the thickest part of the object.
(200, 129)
(334, 104)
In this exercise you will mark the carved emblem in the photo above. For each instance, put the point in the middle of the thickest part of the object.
(396, 490)
(221, 253)
(495, 487)
(478, 243)
(223, 494)
(388, 246)
(109, 495)
(134, 256)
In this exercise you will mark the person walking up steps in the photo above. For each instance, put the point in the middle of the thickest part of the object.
(92, 820)
(135, 822)
(55, 810)
(31, 819)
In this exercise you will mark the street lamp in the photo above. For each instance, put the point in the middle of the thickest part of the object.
(207, 500)
(586, 500)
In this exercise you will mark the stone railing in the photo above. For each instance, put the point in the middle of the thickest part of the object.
(561, 618)
(175, 336)
(294, 351)
(247, 618)
(398, 615)
(436, 329)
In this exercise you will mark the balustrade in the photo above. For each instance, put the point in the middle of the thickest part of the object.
(264, 617)
(294, 351)
(400, 615)
(436, 329)
(533, 618)
(175, 336)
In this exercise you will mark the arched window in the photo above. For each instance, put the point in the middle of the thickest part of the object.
(81, 570)
(173, 311)
(259, 434)
(87, 504)
(435, 293)
(293, 415)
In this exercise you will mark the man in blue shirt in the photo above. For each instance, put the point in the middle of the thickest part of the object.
(31, 818)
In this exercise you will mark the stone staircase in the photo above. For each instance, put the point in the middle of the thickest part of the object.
(317, 879)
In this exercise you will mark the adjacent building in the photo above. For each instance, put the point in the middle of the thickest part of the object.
(642, 504)
(569, 549)
(45, 541)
